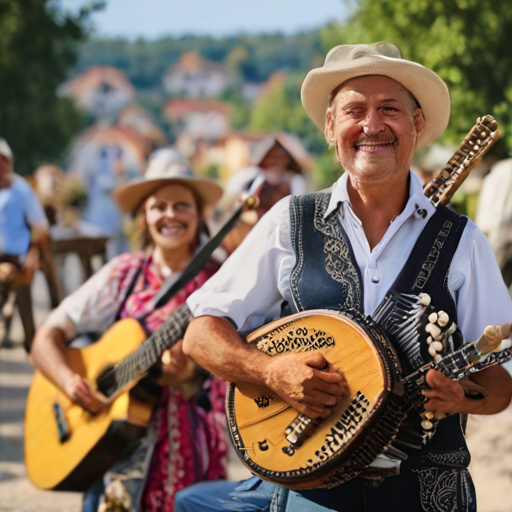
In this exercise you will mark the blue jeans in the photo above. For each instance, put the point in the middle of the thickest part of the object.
(252, 495)
(91, 499)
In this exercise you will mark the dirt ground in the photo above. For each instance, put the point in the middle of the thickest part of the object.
(489, 439)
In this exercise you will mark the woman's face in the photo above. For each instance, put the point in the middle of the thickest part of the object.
(172, 217)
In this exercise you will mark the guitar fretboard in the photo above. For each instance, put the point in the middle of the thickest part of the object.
(140, 361)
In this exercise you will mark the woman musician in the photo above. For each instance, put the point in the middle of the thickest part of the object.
(186, 442)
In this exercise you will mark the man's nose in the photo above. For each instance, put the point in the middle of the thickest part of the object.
(373, 124)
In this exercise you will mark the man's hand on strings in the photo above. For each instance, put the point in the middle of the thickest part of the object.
(302, 381)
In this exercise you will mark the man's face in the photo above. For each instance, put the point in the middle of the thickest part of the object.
(5, 172)
(373, 129)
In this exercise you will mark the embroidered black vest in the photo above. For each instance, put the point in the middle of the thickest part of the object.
(326, 276)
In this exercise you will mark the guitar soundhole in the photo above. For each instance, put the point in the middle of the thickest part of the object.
(107, 383)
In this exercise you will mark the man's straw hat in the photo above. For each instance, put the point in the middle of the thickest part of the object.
(354, 60)
(166, 166)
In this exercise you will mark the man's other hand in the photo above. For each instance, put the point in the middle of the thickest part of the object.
(448, 396)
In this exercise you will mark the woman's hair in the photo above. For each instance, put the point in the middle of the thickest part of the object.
(144, 239)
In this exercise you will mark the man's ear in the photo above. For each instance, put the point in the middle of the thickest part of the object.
(329, 126)
(419, 120)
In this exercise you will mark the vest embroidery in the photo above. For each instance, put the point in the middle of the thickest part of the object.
(338, 259)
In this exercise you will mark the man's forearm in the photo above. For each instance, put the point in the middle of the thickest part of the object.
(215, 345)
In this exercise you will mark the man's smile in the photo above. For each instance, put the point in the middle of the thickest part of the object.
(374, 147)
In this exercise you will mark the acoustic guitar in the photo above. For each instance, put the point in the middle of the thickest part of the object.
(68, 448)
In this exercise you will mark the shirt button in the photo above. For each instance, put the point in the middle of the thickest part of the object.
(375, 279)
(420, 213)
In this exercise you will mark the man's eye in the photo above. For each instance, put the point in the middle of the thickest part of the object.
(183, 206)
(353, 113)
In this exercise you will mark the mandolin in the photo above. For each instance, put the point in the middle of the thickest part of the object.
(290, 449)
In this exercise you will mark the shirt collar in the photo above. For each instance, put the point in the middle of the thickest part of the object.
(417, 199)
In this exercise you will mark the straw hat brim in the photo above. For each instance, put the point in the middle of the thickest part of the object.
(130, 196)
(427, 87)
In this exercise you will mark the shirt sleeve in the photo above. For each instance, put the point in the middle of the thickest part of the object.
(34, 212)
(71, 314)
(481, 295)
(246, 288)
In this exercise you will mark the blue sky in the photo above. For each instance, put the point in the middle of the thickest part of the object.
(154, 18)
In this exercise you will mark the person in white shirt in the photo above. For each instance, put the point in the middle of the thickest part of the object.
(377, 110)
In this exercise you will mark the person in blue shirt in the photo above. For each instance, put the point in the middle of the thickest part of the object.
(20, 211)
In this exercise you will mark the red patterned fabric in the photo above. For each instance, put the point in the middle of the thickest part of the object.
(191, 444)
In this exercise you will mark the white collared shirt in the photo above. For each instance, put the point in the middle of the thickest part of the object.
(251, 285)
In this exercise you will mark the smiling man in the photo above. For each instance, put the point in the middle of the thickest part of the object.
(345, 248)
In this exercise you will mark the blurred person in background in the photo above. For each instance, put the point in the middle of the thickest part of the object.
(22, 219)
(186, 439)
(279, 162)
(494, 214)
(101, 210)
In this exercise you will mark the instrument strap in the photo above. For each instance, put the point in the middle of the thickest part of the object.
(431, 257)
(130, 288)
(203, 254)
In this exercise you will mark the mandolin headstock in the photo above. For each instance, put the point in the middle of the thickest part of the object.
(474, 146)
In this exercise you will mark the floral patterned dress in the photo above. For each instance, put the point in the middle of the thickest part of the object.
(186, 442)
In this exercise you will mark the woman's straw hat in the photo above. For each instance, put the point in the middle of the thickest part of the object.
(166, 166)
(354, 60)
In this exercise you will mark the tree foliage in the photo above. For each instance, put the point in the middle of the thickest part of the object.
(38, 44)
(465, 41)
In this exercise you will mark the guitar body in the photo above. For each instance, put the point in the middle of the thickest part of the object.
(340, 447)
(74, 459)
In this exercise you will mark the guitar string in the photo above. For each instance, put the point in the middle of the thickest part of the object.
(147, 354)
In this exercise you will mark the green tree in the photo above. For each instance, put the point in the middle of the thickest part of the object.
(467, 42)
(38, 44)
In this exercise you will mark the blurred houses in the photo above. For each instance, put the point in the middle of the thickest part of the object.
(194, 77)
(138, 120)
(101, 90)
(199, 119)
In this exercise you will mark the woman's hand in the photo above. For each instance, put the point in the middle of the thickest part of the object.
(176, 366)
(79, 391)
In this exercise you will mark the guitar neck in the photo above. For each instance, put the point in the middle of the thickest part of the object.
(474, 146)
(140, 361)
